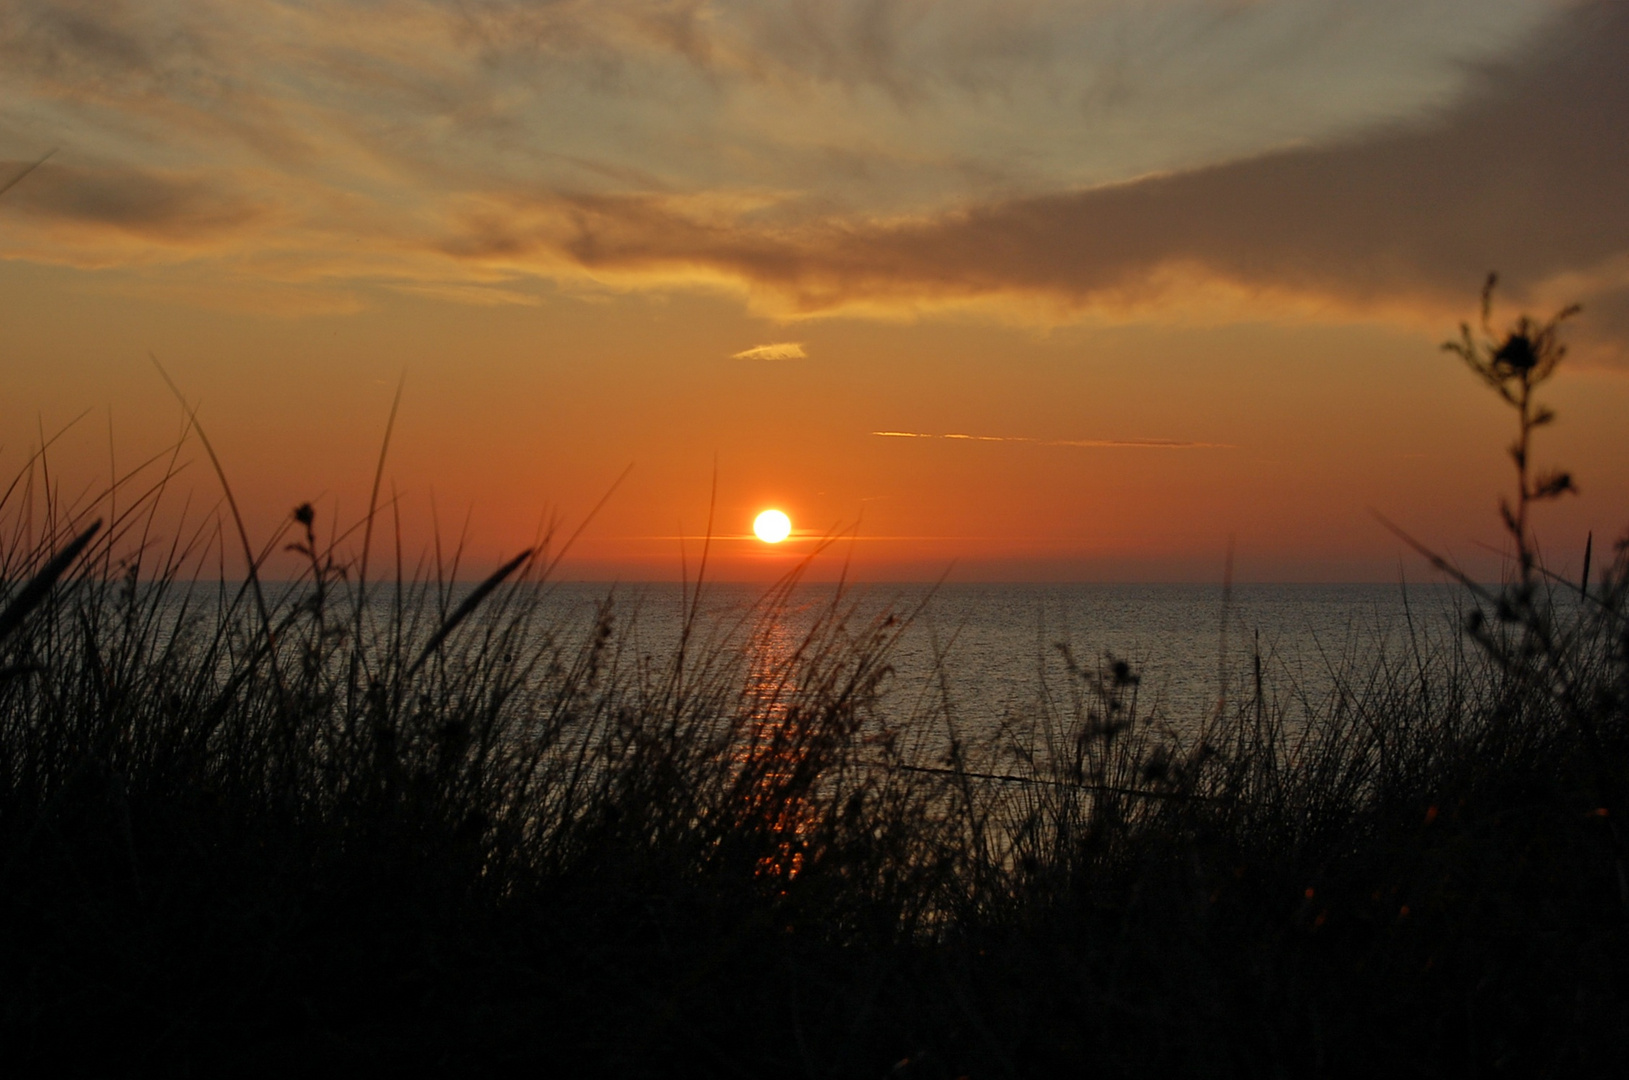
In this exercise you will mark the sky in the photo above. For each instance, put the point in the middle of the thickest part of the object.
(1021, 290)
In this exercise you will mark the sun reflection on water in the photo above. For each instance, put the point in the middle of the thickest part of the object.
(777, 750)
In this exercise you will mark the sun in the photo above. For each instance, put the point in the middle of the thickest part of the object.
(772, 526)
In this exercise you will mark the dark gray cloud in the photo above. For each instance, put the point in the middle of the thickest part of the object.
(152, 205)
(94, 48)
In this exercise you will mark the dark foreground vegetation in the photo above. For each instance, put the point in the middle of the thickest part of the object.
(282, 829)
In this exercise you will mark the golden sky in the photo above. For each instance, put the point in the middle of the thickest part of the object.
(1021, 290)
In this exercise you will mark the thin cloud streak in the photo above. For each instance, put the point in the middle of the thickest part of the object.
(788, 544)
(785, 350)
(1112, 444)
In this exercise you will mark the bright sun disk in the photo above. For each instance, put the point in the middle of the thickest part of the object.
(772, 526)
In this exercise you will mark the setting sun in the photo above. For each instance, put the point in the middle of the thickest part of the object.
(772, 526)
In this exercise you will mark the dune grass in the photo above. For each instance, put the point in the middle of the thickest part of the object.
(406, 824)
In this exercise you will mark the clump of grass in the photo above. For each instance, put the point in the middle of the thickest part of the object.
(238, 818)
(434, 827)
(1423, 873)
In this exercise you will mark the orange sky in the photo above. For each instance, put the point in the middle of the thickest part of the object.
(1181, 268)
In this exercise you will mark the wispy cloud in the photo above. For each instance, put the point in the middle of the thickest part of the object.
(1135, 444)
(474, 295)
(784, 350)
(1103, 156)
(1525, 176)
(160, 206)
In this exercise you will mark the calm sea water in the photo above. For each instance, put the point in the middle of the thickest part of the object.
(999, 643)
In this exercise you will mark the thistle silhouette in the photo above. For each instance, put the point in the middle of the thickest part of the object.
(1515, 363)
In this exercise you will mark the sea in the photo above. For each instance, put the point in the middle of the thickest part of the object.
(983, 652)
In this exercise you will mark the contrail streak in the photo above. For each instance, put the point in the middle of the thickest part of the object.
(1112, 444)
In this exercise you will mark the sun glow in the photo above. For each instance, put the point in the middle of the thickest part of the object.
(772, 526)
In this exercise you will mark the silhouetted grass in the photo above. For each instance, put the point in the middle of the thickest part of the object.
(425, 827)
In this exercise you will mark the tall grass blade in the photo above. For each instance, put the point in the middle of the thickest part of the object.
(471, 602)
(39, 586)
(1589, 548)
(18, 178)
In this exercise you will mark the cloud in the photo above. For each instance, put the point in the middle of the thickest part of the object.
(1140, 444)
(902, 105)
(1526, 177)
(1092, 444)
(474, 295)
(785, 350)
(868, 106)
(1052, 158)
(160, 207)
